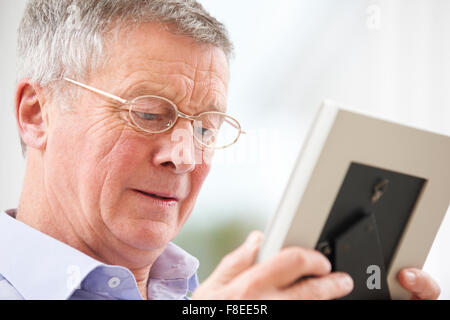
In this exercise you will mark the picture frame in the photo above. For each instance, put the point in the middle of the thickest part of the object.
(319, 194)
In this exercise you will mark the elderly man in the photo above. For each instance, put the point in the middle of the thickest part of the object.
(108, 91)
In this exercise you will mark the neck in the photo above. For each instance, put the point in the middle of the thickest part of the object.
(38, 209)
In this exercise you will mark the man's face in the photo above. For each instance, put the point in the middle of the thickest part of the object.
(98, 168)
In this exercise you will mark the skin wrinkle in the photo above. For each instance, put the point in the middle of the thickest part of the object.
(103, 124)
(93, 229)
(47, 186)
(198, 80)
(211, 85)
(178, 96)
(189, 96)
(144, 88)
(193, 71)
(60, 208)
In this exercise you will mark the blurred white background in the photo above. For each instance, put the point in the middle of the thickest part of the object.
(390, 58)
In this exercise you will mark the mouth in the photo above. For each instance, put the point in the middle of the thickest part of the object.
(158, 196)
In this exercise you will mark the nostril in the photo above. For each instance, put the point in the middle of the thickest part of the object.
(169, 164)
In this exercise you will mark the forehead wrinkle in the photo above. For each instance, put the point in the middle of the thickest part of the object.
(175, 77)
(189, 68)
(168, 86)
(158, 71)
(144, 88)
(209, 87)
(196, 75)
(151, 47)
(205, 61)
(186, 92)
(207, 93)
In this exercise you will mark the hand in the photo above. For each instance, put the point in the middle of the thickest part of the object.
(236, 277)
(419, 283)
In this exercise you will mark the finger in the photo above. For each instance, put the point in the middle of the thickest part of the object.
(239, 260)
(288, 266)
(419, 283)
(333, 286)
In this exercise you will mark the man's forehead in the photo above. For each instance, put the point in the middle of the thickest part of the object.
(155, 61)
(153, 45)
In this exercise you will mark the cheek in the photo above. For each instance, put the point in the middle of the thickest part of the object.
(100, 157)
(198, 177)
(63, 159)
(108, 165)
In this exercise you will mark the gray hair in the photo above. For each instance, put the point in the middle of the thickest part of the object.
(66, 38)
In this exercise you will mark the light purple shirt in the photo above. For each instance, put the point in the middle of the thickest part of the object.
(34, 266)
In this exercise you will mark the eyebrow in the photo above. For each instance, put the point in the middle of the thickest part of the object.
(144, 90)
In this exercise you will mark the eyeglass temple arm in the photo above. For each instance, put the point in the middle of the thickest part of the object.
(234, 125)
(123, 101)
(103, 93)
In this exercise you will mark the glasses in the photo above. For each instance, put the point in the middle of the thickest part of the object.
(154, 114)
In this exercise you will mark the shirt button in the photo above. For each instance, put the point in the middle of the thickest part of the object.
(114, 282)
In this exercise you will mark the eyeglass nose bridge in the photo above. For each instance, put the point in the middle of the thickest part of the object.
(185, 116)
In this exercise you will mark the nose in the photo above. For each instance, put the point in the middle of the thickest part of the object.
(177, 150)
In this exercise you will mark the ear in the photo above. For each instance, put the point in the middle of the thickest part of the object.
(31, 118)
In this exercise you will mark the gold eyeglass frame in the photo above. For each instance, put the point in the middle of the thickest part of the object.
(179, 114)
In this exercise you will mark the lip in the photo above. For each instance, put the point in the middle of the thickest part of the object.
(158, 195)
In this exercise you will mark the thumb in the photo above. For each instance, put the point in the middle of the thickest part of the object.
(239, 260)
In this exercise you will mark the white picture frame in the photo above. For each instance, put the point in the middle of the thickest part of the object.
(340, 137)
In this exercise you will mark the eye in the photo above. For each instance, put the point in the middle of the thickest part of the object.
(205, 132)
(147, 116)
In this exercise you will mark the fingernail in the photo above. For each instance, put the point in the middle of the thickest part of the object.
(410, 277)
(254, 239)
(329, 266)
(347, 281)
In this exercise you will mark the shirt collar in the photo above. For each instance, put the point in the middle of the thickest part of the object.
(43, 268)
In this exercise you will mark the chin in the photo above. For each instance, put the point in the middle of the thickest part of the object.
(148, 235)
